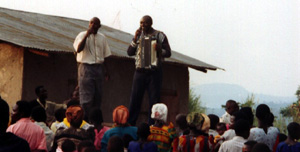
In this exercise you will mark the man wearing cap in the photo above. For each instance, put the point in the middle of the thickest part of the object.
(92, 48)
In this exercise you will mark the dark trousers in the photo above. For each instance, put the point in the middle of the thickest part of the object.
(90, 78)
(144, 80)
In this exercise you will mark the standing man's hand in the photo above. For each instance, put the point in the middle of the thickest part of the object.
(137, 34)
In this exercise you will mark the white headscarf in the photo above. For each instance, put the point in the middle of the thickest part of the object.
(159, 112)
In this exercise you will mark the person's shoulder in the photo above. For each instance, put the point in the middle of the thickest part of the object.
(18, 142)
(81, 34)
(101, 35)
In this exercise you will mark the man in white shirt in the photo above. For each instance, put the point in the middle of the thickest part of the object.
(91, 48)
(231, 107)
(242, 130)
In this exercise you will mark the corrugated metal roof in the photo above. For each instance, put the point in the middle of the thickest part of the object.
(53, 33)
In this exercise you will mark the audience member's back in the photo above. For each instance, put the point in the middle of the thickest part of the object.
(39, 116)
(25, 128)
(142, 145)
(8, 141)
(115, 144)
(260, 147)
(121, 127)
(291, 144)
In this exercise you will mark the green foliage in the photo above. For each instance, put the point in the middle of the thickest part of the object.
(281, 123)
(195, 104)
(293, 110)
(249, 102)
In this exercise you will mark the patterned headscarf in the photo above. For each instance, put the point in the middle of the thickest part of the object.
(75, 113)
(198, 120)
(159, 112)
(120, 115)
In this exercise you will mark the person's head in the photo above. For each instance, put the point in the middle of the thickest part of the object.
(143, 130)
(38, 114)
(95, 24)
(4, 115)
(221, 128)
(214, 120)
(146, 23)
(41, 92)
(95, 116)
(242, 128)
(248, 145)
(294, 130)
(236, 116)
(260, 147)
(159, 112)
(20, 110)
(74, 115)
(84, 144)
(282, 137)
(264, 115)
(198, 122)
(73, 102)
(231, 107)
(60, 114)
(180, 121)
(126, 140)
(248, 112)
(115, 144)
(120, 115)
(68, 146)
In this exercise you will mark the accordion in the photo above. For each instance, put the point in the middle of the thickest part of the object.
(146, 56)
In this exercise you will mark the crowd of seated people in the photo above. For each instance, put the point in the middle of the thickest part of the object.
(26, 127)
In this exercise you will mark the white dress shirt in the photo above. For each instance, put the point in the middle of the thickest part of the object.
(95, 50)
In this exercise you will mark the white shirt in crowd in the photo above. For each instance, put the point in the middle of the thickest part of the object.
(234, 145)
(259, 135)
(226, 118)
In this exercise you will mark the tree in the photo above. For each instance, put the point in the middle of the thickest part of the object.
(293, 110)
(195, 104)
(249, 102)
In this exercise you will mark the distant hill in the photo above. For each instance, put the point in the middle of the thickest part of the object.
(216, 94)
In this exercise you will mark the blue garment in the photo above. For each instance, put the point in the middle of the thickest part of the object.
(134, 146)
(117, 131)
(284, 147)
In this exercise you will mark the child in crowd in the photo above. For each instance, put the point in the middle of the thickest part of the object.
(115, 144)
(98, 130)
(197, 140)
(60, 114)
(242, 131)
(68, 146)
(291, 144)
(142, 145)
(214, 120)
(221, 128)
(248, 145)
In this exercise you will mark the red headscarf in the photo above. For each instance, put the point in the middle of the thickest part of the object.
(120, 115)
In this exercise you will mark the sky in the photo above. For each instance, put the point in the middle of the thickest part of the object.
(256, 42)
